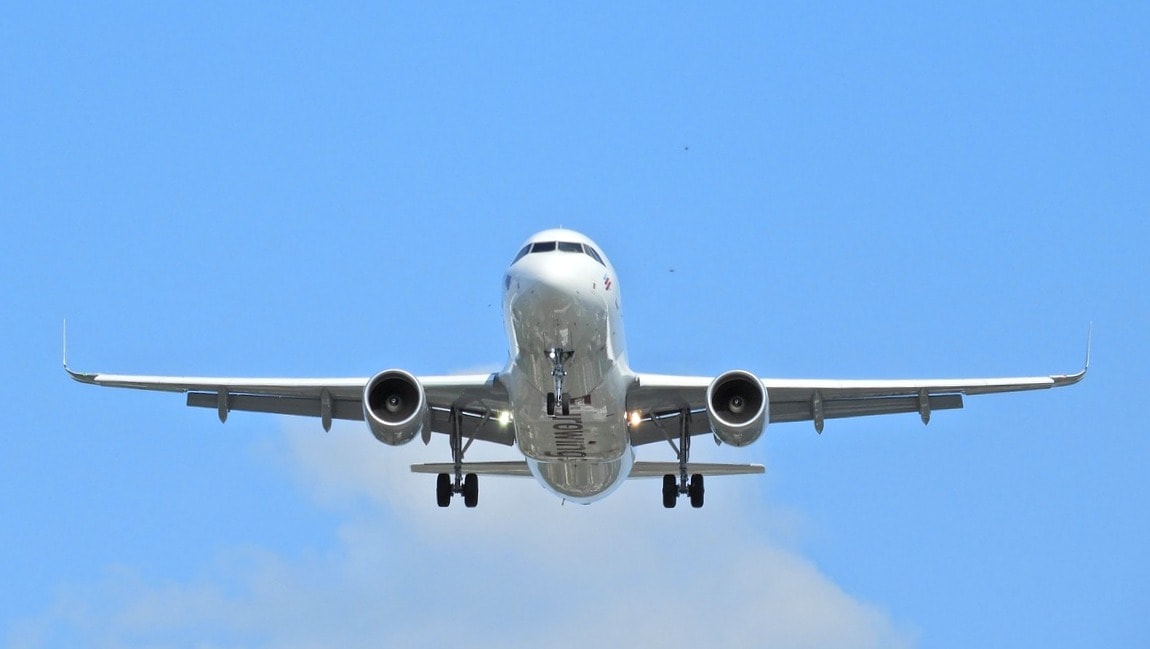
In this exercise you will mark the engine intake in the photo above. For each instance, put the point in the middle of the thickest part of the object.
(737, 407)
(395, 407)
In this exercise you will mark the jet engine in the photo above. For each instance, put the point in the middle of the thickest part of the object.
(395, 407)
(737, 407)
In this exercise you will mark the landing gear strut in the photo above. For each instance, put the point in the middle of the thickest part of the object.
(675, 486)
(447, 485)
(558, 358)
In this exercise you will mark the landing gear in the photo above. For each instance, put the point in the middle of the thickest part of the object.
(564, 404)
(695, 491)
(449, 484)
(443, 490)
(670, 491)
(674, 486)
(471, 490)
(558, 358)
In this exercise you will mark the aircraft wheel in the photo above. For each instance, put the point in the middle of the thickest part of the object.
(471, 490)
(696, 490)
(443, 490)
(550, 404)
(670, 491)
(566, 401)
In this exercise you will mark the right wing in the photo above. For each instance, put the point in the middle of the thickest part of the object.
(663, 398)
(479, 398)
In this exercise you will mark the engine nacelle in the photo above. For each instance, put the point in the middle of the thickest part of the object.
(395, 407)
(737, 407)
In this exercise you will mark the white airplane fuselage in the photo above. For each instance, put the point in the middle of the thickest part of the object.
(568, 300)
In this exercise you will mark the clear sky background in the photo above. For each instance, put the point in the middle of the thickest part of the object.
(801, 190)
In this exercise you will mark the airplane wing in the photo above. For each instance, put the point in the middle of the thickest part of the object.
(478, 397)
(663, 398)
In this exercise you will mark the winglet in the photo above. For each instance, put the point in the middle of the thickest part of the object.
(77, 376)
(1071, 379)
(1089, 337)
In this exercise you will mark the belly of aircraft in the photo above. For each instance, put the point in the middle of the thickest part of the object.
(585, 453)
(581, 456)
(582, 481)
(594, 429)
(578, 322)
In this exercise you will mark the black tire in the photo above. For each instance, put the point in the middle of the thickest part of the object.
(550, 404)
(566, 404)
(670, 491)
(443, 490)
(471, 490)
(696, 490)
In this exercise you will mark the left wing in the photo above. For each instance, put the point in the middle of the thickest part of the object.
(661, 397)
(478, 397)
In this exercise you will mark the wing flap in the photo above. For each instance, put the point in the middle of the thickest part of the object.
(787, 411)
(300, 406)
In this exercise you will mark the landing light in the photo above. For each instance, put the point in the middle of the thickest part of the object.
(504, 417)
(635, 418)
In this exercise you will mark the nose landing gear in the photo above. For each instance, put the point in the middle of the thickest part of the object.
(558, 358)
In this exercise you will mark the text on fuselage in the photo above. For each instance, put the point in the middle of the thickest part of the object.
(570, 438)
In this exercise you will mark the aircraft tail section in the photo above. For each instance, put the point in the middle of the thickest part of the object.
(511, 469)
(660, 469)
(639, 470)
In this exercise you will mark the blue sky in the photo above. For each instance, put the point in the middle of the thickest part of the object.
(880, 191)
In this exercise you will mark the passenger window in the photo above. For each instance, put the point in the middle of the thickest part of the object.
(543, 246)
(526, 249)
(567, 246)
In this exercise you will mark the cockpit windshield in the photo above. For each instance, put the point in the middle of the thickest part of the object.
(561, 246)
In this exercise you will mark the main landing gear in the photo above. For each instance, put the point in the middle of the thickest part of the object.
(558, 358)
(449, 484)
(675, 486)
(672, 489)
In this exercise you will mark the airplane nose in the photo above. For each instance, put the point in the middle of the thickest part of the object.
(559, 277)
(556, 300)
(564, 274)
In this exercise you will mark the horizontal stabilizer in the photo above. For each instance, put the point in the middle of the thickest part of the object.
(516, 469)
(639, 470)
(660, 469)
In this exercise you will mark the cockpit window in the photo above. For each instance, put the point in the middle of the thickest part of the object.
(561, 246)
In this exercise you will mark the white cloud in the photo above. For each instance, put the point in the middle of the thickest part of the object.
(520, 570)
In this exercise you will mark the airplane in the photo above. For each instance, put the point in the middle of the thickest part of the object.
(568, 398)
